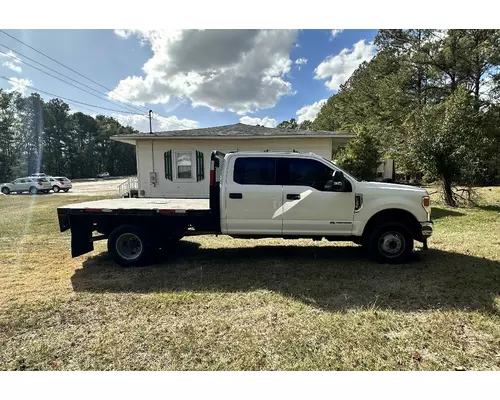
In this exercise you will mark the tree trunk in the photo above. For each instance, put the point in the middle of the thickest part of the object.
(448, 192)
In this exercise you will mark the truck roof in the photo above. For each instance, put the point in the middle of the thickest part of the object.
(272, 153)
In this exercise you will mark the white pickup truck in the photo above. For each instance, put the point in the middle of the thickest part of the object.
(259, 195)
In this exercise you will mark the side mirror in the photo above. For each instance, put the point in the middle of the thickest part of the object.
(338, 181)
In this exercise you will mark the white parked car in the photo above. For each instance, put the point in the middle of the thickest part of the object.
(30, 184)
(60, 183)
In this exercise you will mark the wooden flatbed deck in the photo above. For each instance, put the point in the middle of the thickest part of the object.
(143, 204)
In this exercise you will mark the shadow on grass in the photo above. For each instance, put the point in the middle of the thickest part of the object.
(328, 277)
(490, 207)
(437, 213)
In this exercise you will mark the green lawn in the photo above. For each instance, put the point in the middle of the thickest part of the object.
(227, 304)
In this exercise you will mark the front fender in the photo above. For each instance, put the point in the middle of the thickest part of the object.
(373, 205)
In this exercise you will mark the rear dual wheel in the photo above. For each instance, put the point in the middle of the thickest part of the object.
(129, 246)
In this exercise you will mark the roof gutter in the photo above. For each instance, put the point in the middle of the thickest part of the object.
(129, 139)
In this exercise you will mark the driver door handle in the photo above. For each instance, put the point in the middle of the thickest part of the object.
(293, 196)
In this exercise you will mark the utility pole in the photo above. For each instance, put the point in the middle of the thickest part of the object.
(150, 126)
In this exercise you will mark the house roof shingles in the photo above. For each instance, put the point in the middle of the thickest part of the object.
(231, 131)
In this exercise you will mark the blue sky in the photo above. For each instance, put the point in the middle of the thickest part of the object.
(193, 78)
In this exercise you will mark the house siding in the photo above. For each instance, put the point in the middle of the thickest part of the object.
(176, 189)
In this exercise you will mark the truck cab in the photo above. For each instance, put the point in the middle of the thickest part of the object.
(260, 195)
(305, 195)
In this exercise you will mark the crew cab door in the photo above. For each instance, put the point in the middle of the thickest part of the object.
(310, 204)
(252, 196)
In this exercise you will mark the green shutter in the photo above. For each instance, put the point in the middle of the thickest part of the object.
(200, 169)
(168, 165)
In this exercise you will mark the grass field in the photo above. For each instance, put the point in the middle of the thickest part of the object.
(226, 304)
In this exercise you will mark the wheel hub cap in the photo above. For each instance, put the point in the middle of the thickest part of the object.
(391, 244)
(129, 246)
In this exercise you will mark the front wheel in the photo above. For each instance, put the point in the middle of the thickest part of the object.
(33, 190)
(390, 243)
(55, 189)
(5, 190)
(129, 245)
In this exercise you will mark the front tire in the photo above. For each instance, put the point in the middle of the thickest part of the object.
(390, 243)
(56, 189)
(33, 190)
(5, 190)
(129, 246)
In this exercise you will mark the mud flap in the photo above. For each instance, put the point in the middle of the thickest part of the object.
(81, 235)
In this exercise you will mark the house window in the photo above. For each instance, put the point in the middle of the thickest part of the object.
(184, 164)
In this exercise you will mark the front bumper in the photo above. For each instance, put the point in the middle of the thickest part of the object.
(427, 229)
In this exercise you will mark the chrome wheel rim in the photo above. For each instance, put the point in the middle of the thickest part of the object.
(391, 244)
(129, 246)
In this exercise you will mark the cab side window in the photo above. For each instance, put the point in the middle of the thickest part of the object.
(255, 171)
(305, 172)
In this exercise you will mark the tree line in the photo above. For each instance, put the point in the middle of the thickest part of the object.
(429, 99)
(40, 136)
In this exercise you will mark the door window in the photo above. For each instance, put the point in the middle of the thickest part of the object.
(255, 171)
(305, 172)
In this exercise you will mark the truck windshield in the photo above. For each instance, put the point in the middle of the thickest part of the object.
(337, 167)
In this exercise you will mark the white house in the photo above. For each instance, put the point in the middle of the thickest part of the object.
(177, 163)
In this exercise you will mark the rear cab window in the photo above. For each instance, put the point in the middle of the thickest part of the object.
(255, 171)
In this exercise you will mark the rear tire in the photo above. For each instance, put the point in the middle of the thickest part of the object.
(33, 190)
(390, 243)
(5, 190)
(56, 189)
(66, 190)
(129, 245)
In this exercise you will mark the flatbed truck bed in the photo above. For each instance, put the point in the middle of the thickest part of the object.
(151, 204)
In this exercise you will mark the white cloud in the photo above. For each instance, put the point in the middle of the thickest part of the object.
(267, 122)
(141, 123)
(12, 62)
(18, 85)
(123, 33)
(239, 70)
(309, 112)
(12, 66)
(300, 61)
(336, 69)
(335, 32)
